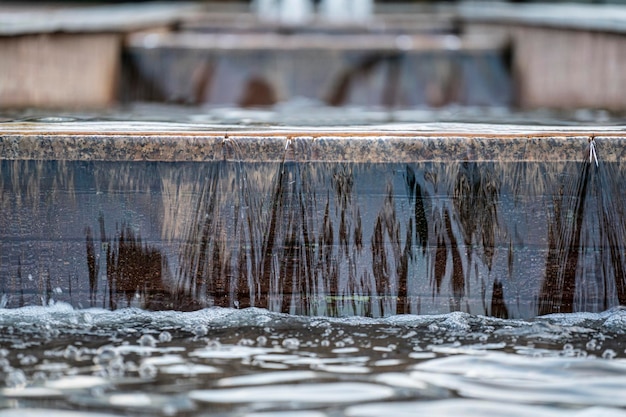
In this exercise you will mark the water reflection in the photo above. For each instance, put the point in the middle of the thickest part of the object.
(501, 239)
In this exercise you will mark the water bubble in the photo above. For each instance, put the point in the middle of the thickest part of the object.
(116, 368)
(28, 360)
(72, 353)
(105, 355)
(147, 371)
(40, 377)
(291, 343)
(214, 344)
(131, 366)
(568, 347)
(261, 340)
(609, 354)
(147, 341)
(15, 379)
(591, 345)
(165, 336)
(246, 342)
(200, 330)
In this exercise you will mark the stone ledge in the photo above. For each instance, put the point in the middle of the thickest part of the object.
(122, 141)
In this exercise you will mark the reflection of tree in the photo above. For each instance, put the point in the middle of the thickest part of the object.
(475, 197)
(316, 238)
(586, 264)
(564, 237)
(32, 193)
(135, 273)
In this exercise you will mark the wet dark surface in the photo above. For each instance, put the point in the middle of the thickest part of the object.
(503, 239)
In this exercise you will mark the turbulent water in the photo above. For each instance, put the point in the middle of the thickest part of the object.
(58, 361)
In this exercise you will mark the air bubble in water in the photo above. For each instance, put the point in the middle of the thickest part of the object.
(16, 379)
(214, 344)
(131, 366)
(105, 355)
(40, 377)
(147, 371)
(591, 345)
(291, 343)
(116, 368)
(261, 340)
(246, 342)
(200, 330)
(147, 341)
(165, 337)
(609, 354)
(71, 352)
(4, 365)
(28, 360)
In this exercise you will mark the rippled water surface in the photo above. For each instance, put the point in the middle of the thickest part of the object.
(253, 362)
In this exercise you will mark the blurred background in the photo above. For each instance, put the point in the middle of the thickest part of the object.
(315, 61)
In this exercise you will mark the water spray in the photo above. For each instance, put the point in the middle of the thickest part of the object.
(593, 156)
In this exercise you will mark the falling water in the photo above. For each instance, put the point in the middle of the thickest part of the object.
(507, 239)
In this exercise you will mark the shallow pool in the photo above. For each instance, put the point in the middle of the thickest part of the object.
(252, 362)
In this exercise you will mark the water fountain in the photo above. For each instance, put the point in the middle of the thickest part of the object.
(310, 223)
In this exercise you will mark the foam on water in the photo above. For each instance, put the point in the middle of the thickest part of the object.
(253, 362)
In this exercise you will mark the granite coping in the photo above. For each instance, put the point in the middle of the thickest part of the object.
(152, 141)
(313, 41)
(29, 19)
(591, 17)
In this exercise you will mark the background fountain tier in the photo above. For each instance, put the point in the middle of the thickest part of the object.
(510, 239)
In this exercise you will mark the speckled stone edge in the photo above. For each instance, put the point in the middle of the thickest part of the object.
(352, 148)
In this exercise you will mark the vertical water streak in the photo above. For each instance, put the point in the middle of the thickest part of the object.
(564, 236)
